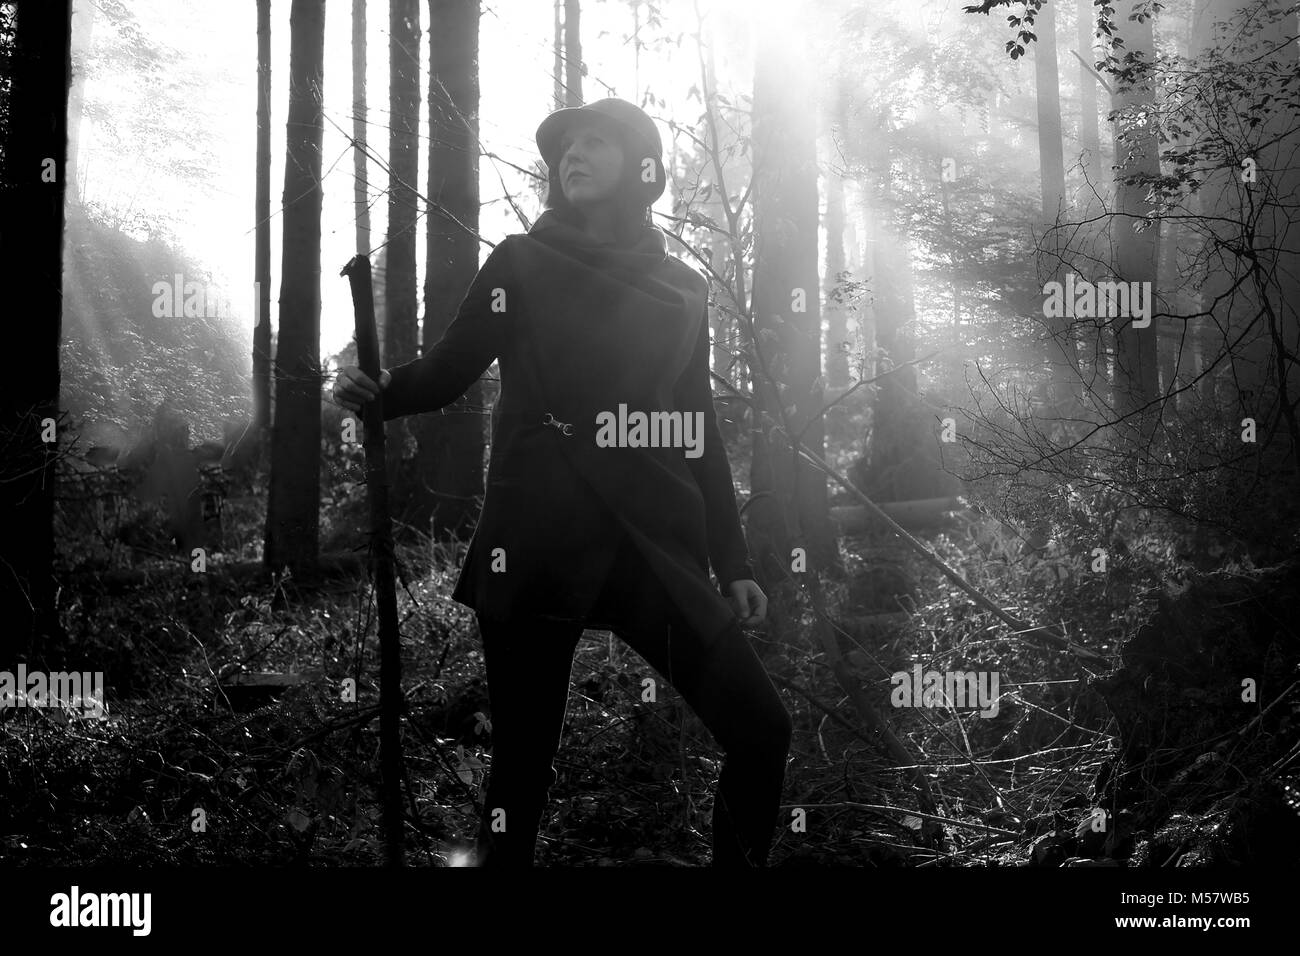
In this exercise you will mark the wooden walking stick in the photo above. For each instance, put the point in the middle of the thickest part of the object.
(391, 703)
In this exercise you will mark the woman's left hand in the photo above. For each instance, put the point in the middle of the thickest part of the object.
(748, 601)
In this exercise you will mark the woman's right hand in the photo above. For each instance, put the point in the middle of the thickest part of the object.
(353, 387)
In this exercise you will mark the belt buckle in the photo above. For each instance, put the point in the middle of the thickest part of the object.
(564, 428)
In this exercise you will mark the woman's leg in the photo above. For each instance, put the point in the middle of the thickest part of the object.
(527, 664)
(729, 690)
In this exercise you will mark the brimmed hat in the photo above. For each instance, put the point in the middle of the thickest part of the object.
(637, 128)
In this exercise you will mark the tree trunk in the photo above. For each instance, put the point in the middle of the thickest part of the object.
(1278, 271)
(359, 164)
(35, 178)
(901, 461)
(262, 229)
(400, 341)
(837, 331)
(451, 445)
(1089, 136)
(1059, 345)
(1136, 253)
(293, 508)
(786, 321)
(573, 52)
(557, 69)
(1051, 155)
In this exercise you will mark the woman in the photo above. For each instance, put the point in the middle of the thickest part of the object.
(608, 491)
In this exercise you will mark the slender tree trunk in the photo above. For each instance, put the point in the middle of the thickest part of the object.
(1278, 197)
(558, 46)
(1168, 337)
(400, 339)
(786, 319)
(293, 509)
(359, 164)
(262, 230)
(1089, 137)
(725, 361)
(837, 332)
(1136, 253)
(573, 52)
(33, 191)
(452, 444)
(1059, 345)
(1051, 155)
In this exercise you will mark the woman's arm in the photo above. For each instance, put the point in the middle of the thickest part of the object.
(728, 552)
(445, 372)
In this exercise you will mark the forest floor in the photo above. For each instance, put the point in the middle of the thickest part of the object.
(190, 768)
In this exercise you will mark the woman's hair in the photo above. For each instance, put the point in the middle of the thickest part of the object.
(629, 198)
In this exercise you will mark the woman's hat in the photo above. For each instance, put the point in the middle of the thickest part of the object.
(637, 128)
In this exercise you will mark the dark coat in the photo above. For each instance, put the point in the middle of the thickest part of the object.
(579, 328)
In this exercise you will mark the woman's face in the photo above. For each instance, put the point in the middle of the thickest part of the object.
(591, 164)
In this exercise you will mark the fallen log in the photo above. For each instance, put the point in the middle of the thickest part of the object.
(919, 513)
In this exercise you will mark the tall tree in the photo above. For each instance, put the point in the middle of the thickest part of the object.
(898, 466)
(451, 445)
(262, 219)
(293, 506)
(1047, 83)
(361, 165)
(558, 45)
(837, 332)
(1278, 160)
(34, 184)
(1060, 352)
(786, 319)
(1089, 138)
(573, 52)
(1137, 247)
(400, 338)
(359, 126)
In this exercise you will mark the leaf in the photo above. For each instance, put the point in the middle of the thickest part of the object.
(298, 820)
(911, 822)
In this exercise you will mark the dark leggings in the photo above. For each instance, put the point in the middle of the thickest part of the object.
(528, 664)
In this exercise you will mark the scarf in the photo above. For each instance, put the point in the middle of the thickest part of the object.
(627, 263)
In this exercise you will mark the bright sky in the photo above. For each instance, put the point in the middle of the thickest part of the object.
(218, 43)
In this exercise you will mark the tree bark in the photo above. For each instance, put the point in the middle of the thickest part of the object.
(786, 321)
(35, 179)
(1059, 345)
(293, 508)
(557, 70)
(359, 163)
(573, 52)
(1136, 253)
(1089, 135)
(400, 341)
(451, 444)
(262, 229)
